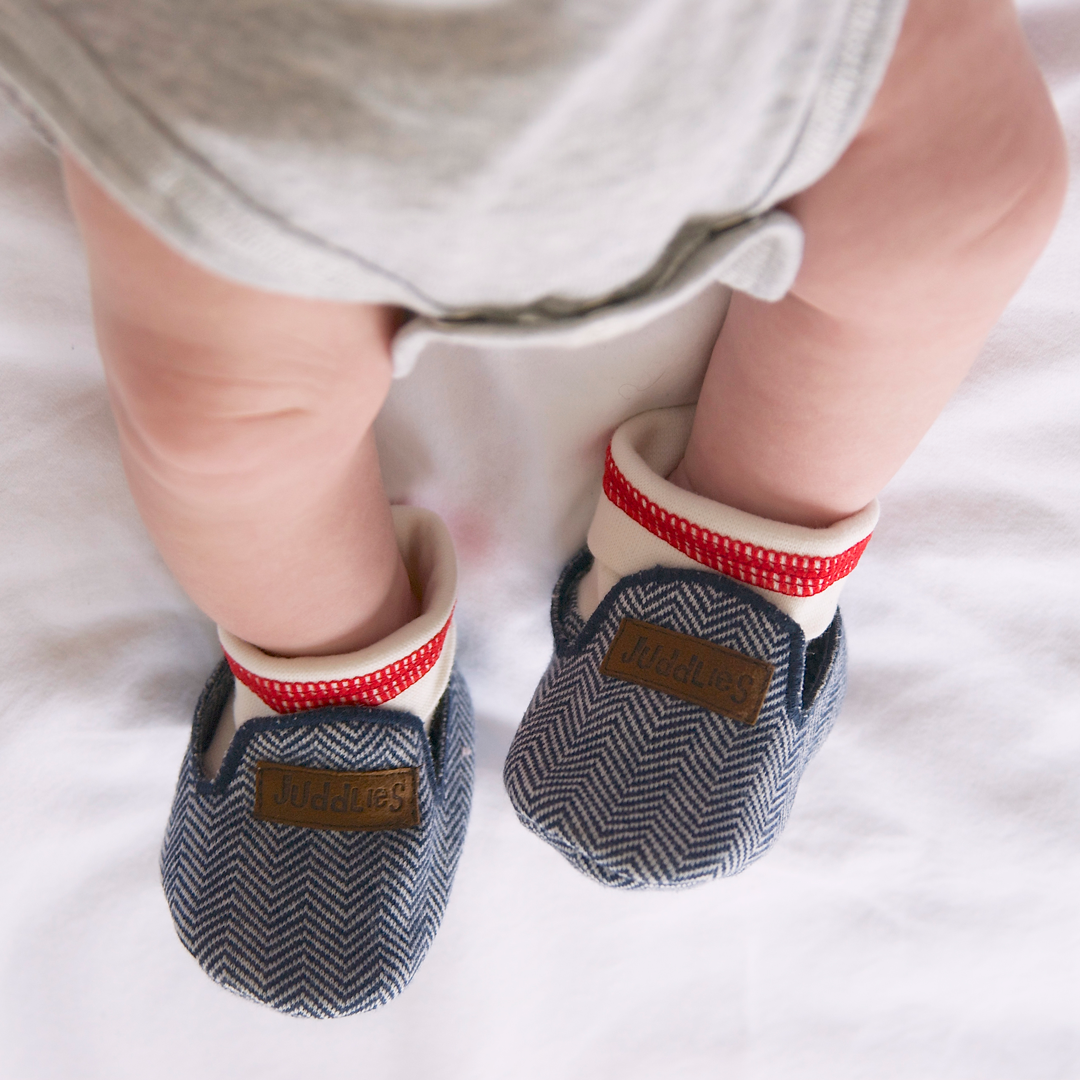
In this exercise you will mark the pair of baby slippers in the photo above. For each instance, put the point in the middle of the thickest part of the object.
(322, 804)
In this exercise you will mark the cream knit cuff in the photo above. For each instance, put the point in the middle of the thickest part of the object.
(642, 520)
(408, 670)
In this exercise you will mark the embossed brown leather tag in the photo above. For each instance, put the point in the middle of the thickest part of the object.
(720, 679)
(326, 799)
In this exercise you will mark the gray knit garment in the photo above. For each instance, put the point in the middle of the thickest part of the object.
(497, 159)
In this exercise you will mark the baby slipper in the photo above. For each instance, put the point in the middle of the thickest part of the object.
(664, 745)
(665, 742)
(312, 871)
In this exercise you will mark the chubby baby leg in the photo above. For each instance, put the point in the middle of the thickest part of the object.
(667, 738)
(915, 241)
(245, 426)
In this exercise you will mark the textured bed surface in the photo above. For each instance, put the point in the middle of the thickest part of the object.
(919, 919)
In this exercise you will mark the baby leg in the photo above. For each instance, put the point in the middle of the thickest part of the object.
(245, 427)
(915, 241)
(665, 743)
(313, 838)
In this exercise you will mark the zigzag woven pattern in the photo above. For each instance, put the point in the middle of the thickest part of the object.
(639, 789)
(778, 571)
(316, 922)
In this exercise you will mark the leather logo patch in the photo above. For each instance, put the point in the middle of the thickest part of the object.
(326, 799)
(720, 679)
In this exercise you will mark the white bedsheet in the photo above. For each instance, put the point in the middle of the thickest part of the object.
(920, 918)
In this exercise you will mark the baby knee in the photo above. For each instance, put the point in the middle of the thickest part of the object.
(209, 376)
(965, 106)
(189, 412)
(189, 423)
(953, 184)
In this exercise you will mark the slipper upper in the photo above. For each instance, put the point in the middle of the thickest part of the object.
(665, 742)
(312, 872)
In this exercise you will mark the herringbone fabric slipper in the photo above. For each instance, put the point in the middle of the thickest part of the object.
(312, 873)
(665, 742)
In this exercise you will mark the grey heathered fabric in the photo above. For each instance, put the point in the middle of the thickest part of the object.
(465, 159)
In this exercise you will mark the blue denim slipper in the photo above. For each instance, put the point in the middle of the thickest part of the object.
(312, 873)
(665, 742)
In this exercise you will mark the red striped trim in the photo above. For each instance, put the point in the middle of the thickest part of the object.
(372, 689)
(777, 571)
